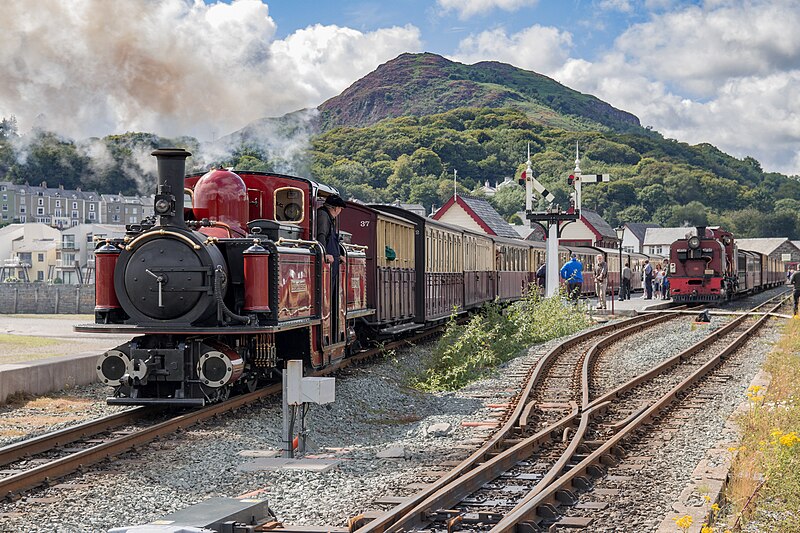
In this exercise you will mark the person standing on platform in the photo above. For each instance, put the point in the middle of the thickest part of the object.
(794, 279)
(659, 277)
(601, 280)
(648, 280)
(541, 275)
(625, 289)
(572, 271)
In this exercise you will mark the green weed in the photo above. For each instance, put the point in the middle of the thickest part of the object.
(493, 336)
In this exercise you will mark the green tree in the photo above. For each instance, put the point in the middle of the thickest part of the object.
(508, 200)
(787, 204)
(424, 191)
(399, 183)
(426, 161)
(692, 214)
(746, 222)
(653, 196)
(780, 224)
(634, 213)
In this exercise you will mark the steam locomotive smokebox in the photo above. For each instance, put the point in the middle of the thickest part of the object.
(214, 515)
(274, 230)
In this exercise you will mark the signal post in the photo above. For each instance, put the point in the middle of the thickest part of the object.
(553, 219)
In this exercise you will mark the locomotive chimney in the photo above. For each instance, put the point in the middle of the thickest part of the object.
(169, 196)
(701, 232)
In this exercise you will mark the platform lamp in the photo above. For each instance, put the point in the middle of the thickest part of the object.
(620, 234)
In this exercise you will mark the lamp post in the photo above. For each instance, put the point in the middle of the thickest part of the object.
(620, 234)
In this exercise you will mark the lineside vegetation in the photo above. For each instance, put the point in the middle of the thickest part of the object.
(765, 488)
(495, 335)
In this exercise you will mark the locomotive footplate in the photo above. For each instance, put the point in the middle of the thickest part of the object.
(185, 329)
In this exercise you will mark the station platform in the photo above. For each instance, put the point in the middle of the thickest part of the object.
(41, 354)
(636, 305)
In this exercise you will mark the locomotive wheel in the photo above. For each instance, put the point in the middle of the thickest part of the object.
(247, 385)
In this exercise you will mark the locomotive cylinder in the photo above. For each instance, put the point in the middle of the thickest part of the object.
(105, 259)
(169, 198)
(256, 276)
(219, 366)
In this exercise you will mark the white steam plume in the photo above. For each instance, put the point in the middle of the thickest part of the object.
(173, 67)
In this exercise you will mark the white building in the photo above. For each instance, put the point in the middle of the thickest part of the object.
(28, 251)
(75, 253)
(658, 240)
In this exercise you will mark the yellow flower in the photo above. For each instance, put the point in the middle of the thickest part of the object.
(683, 522)
(789, 440)
(733, 449)
(715, 508)
(706, 529)
(754, 388)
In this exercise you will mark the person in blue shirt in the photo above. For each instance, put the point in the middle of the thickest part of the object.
(572, 271)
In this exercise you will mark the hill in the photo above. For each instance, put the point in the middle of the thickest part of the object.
(400, 132)
(425, 84)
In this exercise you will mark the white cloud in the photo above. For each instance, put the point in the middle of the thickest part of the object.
(469, 8)
(93, 67)
(697, 47)
(617, 5)
(538, 48)
(725, 73)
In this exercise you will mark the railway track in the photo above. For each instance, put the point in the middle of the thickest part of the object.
(534, 464)
(545, 408)
(41, 460)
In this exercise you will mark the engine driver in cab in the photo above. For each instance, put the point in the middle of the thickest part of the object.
(326, 230)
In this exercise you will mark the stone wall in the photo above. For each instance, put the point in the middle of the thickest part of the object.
(38, 298)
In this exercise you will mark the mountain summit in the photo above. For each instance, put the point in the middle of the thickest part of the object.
(424, 84)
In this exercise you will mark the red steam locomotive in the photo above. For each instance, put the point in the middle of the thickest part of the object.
(220, 296)
(708, 266)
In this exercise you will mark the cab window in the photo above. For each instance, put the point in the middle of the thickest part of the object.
(289, 205)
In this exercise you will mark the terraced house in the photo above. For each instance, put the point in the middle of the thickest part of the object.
(56, 207)
(65, 208)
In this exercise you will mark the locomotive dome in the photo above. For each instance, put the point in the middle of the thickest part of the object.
(221, 195)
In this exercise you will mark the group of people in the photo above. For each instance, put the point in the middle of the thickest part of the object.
(654, 280)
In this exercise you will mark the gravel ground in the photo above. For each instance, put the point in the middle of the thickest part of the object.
(373, 413)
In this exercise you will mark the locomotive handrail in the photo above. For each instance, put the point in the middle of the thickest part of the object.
(283, 240)
(162, 232)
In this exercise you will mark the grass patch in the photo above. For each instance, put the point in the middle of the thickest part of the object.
(25, 341)
(89, 318)
(767, 465)
(495, 335)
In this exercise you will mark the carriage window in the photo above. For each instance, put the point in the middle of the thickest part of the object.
(289, 205)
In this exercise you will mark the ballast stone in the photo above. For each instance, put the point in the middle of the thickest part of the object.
(395, 452)
(442, 429)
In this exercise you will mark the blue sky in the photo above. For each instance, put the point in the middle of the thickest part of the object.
(725, 72)
(594, 24)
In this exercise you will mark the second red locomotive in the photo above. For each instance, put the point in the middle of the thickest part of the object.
(708, 266)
